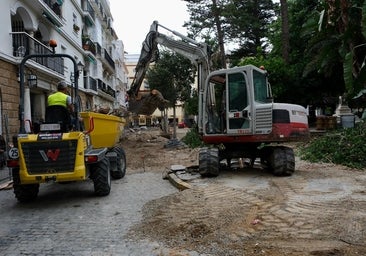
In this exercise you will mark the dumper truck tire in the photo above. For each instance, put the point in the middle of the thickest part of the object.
(23, 193)
(120, 169)
(101, 177)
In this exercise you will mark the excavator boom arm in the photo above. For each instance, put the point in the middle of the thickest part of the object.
(147, 102)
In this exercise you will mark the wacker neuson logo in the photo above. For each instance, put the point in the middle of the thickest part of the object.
(50, 154)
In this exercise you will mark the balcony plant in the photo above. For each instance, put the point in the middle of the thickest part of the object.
(76, 28)
(86, 42)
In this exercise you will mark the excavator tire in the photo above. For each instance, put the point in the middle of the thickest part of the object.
(24, 193)
(282, 161)
(120, 170)
(209, 164)
(102, 178)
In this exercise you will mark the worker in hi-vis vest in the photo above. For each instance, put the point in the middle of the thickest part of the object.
(61, 98)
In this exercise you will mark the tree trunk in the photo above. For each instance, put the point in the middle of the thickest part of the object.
(174, 123)
(285, 31)
(220, 33)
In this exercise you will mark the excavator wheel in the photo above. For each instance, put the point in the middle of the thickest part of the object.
(282, 161)
(209, 164)
(120, 169)
(101, 177)
(24, 193)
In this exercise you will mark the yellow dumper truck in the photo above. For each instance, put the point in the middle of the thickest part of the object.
(58, 153)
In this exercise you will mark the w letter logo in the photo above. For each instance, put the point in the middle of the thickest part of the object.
(51, 154)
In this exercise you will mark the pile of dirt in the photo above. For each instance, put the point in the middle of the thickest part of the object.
(320, 210)
(150, 150)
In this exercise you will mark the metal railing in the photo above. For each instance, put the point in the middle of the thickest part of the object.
(108, 58)
(54, 6)
(24, 44)
(106, 88)
(90, 83)
(88, 8)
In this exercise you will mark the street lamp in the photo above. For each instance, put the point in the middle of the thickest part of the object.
(32, 80)
(80, 67)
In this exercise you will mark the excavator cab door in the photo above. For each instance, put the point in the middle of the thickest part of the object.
(239, 112)
(227, 105)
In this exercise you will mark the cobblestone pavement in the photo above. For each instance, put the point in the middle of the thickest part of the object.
(67, 219)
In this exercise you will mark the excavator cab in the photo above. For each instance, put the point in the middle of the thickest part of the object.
(230, 107)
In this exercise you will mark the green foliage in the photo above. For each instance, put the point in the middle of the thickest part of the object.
(192, 138)
(284, 79)
(250, 20)
(191, 104)
(346, 147)
(172, 75)
(327, 43)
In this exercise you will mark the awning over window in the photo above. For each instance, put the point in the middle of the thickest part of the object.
(91, 59)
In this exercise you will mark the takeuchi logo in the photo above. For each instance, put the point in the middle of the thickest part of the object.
(50, 154)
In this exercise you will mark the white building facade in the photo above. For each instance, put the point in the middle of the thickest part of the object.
(83, 29)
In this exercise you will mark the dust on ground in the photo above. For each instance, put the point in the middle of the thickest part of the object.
(320, 210)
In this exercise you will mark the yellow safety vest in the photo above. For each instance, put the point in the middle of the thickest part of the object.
(58, 98)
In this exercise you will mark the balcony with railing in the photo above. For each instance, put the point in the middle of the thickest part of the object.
(108, 59)
(24, 44)
(98, 49)
(89, 13)
(105, 58)
(88, 44)
(52, 10)
(90, 84)
(105, 90)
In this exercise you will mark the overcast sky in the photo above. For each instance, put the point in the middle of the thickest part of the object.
(132, 19)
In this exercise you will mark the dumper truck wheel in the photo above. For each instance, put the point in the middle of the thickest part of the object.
(24, 193)
(101, 177)
(120, 170)
(282, 161)
(209, 164)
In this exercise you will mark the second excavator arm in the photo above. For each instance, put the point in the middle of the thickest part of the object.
(146, 102)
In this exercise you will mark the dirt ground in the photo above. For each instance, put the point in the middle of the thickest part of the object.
(320, 210)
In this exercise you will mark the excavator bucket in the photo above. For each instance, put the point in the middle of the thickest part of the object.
(147, 102)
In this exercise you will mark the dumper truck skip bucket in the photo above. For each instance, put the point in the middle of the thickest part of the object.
(107, 128)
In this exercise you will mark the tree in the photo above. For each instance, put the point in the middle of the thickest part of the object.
(191, 104)
(336, 48)
(249, 25)
(206, 21)
(173, 76)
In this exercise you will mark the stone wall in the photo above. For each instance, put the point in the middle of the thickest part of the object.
(9, 92)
